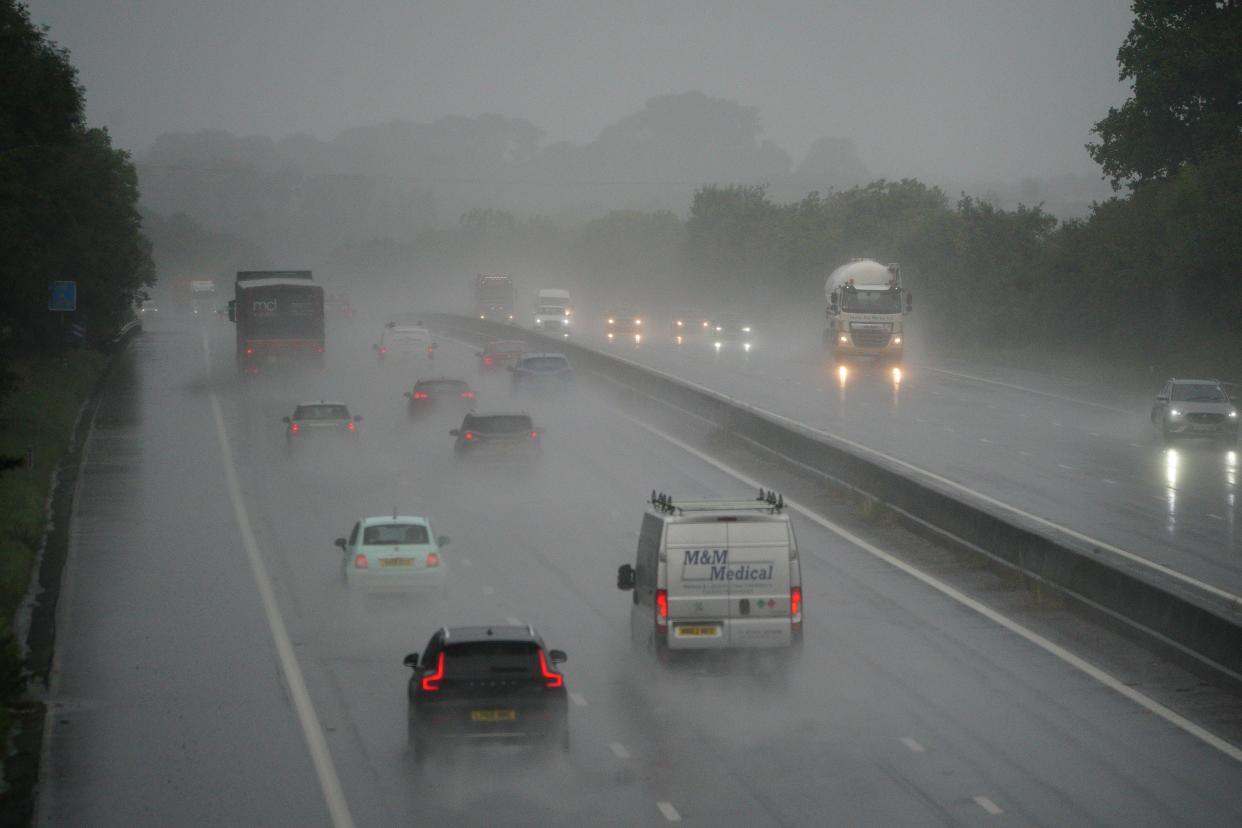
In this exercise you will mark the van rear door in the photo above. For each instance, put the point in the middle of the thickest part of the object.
(698, 593)
(758, 579)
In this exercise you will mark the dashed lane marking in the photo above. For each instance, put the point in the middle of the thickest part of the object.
(670, 813)
(1214, 516)
(619, 750)
(984, 440)
(578, 699)
(1063, 466)
(467, 562)
(988, 805)
(914, 746)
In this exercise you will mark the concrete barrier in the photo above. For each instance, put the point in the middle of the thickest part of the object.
(1205, 626)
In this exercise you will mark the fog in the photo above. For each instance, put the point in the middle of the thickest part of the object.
(952, 91)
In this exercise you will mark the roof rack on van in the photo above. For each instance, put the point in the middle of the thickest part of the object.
(767, 501)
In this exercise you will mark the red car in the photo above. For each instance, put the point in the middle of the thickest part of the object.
(500, 354)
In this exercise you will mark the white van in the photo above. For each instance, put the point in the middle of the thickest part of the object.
(715, 575)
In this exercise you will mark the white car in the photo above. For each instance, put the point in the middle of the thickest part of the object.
(394, 552)
(403, 341)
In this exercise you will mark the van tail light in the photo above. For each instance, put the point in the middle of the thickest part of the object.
(294, 428)
(550, 677)
(249, 351)
(360, 561)
(421, 395)
(467, 395)
(431, 681)
(795, 606)
(351, 425)
(488, 360)
(433, 559)
(469, 435)
(662, 610)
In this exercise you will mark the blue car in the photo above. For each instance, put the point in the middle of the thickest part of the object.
(534, 371)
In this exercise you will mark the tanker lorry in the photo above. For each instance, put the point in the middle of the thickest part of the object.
(866, 313)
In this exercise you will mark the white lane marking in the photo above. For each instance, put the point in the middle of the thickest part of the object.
(914, 746)
(312, 730)
(1063, 466)
(1234, 599)
(513, 622)
(1092, 434)
(467, 562)
(1055, 423)
(1109, 482)
(670, 813)
(1215, 517)
(1035, 391)
(988, 805)
(578, 699)
(984, 440)
(1056, 650)
(619, 750)
(1025, 453)
(488, 590)
(950, 430)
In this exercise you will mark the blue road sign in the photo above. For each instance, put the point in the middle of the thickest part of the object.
(63, 296)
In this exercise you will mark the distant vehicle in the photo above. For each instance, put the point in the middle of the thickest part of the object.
(690, 326)
(203, 296)
(279, 318)
(479, 684)
(442, 393)
(623, 325)
(552, 312)
(149, 307)
(403, 341)
(865, 313)
(394, 552)
(500, 353)
(1195, 408)
(493, 297)
(502, 433)
(313, 421)
(715, 575)
(536, 371)
(730, 333)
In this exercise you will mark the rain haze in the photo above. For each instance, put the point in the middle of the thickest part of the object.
(620, 414)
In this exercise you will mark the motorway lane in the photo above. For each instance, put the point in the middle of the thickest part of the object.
(908, 709)
(1092, 465)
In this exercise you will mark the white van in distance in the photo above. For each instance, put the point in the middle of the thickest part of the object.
(715, 575)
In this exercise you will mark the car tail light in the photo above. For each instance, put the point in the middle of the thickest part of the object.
(249, 351)
(467, 395)
(550, 677)
(431, 682)
(421, 395)
(294, 428)
(351, 426)
(662, 610)
(360, 561)
(488, 360)
(534, 435)
(383, 350)
(469, 435)
(433, 559)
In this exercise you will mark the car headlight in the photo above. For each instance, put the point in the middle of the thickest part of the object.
(896, 340)
(638, 321)
(843, 339)
(1173, 412)
(564, 321)
(746, 329)
(1233, 414)
(612, 321)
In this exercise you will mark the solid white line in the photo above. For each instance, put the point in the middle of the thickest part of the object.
(619, 750)
(670, 813)
(914, 746)
(1035, 391)
(988, 805)
(578, 699)
(1056, 650)
(316, 744)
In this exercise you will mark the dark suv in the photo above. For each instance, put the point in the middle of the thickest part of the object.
(486, 684)
(498, 433)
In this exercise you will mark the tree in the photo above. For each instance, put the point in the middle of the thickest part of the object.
(1184, 59)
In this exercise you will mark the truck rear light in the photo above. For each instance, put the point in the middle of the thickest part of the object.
(431, 681)
(421, 395)
(351, 425)
(249, 351)
(469, 435)
(360, 561)
(550, 677)
(433, 559)
(294, 428)
(662, 610)
(487, 360)
(534, 435)
(467, 395)
(383, 350)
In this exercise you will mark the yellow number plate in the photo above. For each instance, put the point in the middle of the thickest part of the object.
(698, 632)
(493, 715)
(396, 561)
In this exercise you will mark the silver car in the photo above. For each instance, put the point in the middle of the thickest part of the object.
(1195, 408)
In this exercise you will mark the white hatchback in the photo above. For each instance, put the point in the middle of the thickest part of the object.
(394, 552)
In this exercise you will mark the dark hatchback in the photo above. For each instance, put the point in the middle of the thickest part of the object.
(486, 684)
(497, 434)
(439, 393)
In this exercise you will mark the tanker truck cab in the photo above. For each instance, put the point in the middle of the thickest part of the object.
(866, 313)
(715, 575)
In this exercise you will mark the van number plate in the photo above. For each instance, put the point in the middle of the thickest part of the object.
(697, 632)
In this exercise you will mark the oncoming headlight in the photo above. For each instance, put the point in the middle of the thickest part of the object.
(1234, 414)
(1173, 412)
(843, 339)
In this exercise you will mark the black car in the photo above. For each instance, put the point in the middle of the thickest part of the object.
(498, 433)
(314, 420)
(439, 393)
(493, 684)
(534, 371)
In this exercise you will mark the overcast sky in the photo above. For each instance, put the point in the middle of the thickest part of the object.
(933, 88)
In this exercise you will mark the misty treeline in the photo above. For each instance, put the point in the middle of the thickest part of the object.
(68, 198)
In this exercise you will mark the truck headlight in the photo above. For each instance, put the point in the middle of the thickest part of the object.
(896, 340)
(1173, 412)
(1233, 414)
(843, 339)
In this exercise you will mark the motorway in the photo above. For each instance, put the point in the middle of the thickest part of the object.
(180, 696)
(1083, 458)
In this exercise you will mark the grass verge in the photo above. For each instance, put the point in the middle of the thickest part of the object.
(36, 423)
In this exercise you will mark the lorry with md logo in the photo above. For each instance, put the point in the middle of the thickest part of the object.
(279, 318)
(715, 575)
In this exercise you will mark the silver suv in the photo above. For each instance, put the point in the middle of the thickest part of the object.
(1195, 408)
